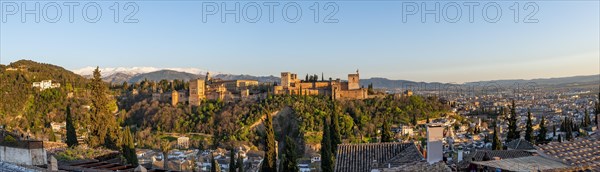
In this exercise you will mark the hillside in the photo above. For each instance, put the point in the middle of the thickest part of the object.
(28, 107)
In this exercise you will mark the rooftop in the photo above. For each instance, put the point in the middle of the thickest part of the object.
(365, 157)
(529, 163)
(520, 144)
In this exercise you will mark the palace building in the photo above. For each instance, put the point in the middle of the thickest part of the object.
(217, 89)
(347, 90)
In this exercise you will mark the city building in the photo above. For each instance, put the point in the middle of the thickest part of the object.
(183, 142)
(45, 84)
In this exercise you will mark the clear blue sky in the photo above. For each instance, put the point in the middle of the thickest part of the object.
(370, 36)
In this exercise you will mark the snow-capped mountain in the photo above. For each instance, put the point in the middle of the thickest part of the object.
(133, 70)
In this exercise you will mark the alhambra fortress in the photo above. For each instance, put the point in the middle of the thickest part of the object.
(229, 90)
(290, 84)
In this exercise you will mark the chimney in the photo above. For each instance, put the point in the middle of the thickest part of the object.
(435, 133)
(460, 155)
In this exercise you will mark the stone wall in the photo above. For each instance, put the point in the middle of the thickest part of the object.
(23, 156)
(351, 94)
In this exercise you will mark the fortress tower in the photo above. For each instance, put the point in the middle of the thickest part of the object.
(354, 81)
(196, 92)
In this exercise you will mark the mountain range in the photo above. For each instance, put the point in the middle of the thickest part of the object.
(120, 77)
(138, 74)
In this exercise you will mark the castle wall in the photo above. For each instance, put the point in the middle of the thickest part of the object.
(351, 94)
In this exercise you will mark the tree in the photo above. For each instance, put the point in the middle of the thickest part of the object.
(165, 147)
(427, 118)
(386, 132)
(560, 138)
(326, 155)
(541, 137)
(71, 133)
(513, 132)
(128, 148)
(101, 119)
(232, 164)
(52, 136)
(336, 137)
(414, 119)
(553, 131)
(586, 119)
(269, 162)
(290, 156)
(496, 142)
(529, 128)
(240, 163)
(568, 125)
(370, 88)
(597, 110)
(214, 165)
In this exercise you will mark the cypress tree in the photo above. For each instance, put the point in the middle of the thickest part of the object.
(386, 132)
(496, 142)
(326, 155)
(232, 164)
(290, 156)
(586, 120)
(269, 163)
(336, 137)
(560, 138)
(71, 133)
(553, 131)
(128, 148)
(214, 165)
(597, 110)
(568, 129)
(513, 132)
(541, 138)
(240, 163)
(414, 119)
(529, 128)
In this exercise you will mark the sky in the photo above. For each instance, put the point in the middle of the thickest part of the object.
(382, 38)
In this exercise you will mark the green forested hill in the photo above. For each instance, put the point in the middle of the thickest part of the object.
(25, 107)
